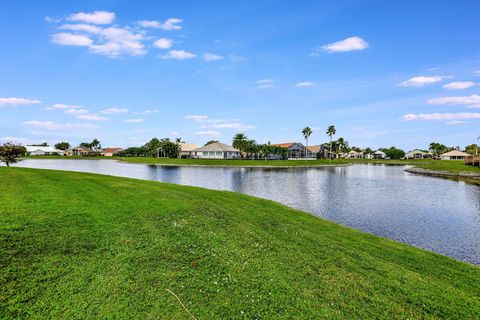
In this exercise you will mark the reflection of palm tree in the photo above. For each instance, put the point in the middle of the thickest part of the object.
(307, 131)
(331, 132)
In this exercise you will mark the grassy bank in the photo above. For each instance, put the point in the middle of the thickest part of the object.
(442, 165)
(233, 163)
(76, 245)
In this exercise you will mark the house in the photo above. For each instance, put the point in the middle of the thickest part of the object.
(186, 149)
(454, 155)
(418, 154)
(216, 150)
(354, 155)
(43, 151)
(110, 152)
(379, 155)
(81, 151)
(297, 150)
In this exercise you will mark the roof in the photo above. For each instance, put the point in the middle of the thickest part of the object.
(314, 149)
(81, 148)
(188, 146)
(353, 152)
(111, 150)
(418, 151)
(217, 146)
(44, 149)
(284, 145)
(455, 153)
(379, 152)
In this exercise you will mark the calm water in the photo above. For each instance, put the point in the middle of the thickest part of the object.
(431, 213)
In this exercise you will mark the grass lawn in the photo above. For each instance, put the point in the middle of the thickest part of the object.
(444, 165)
(84, 246)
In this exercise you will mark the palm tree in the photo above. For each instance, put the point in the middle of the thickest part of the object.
(307, 131)
(331, 132)
(240, 142)
(342, 145)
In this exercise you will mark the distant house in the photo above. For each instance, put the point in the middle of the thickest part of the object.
(81, 151)
(216, 150)
(296, 150)
(110, 152)
(352, 154)
(418, 154)
(454, 155)
(379, 155)
(186, 150)
(43, 151)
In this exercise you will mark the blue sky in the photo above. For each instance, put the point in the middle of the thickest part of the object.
(383, 72)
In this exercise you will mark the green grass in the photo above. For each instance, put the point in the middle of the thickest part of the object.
(85, 246)
(234, 163)
(443, 165)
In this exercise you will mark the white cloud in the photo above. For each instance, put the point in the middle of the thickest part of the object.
(420, 81)
(96, 17)
(81, 27)
(91, 117)
(304, 84)
(62, 106)
(197, 118)
(149, 111)
(134, 120)
(174, 133)
(15, 102)
(472, 100)
(169, 24)
(476, 71)
(265, 84)
(114, 42)
(179, 55)
(53, 126)
(232, 125)
(163, 43)
(15, 140)
(76, 112)
(459, 85)
(210, 133)
(441, 116)
(345, 45)
(211, 57)
(455, 122)
(114, 110)
(70, 39)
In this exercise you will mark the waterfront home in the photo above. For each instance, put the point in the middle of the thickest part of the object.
(454, 155)
(297, 150)
(418, 154)
(110, 152)
(81, 151)
(186, 149)
(352, 154)
(43, 151)
(216, 150)
(379, 155)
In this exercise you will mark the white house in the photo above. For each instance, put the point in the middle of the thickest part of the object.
(418, 154)
(454, 155)
(216, 150)
(379, 155)
(43, 151)
(354, 155)
(186, 149)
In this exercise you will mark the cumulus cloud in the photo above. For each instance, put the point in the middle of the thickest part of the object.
(163, 43)
(349, 44)
(211, 57)
(96, 17)
(114, 42)
(459, 85)
(148, 111)
(53, 126)
(91, 117)
(70, 39)
(15, 102)
(179, 55)
(62, 106)
(114, 110)
(15, 140)
(472, 100)
(441, 116)
(76, 112)
(169, 24)
(209, 133)
(455, 122)
(81, 27)
(232, 125)
(420, 81)
(137, 120)
(195, 117)
(304, 84)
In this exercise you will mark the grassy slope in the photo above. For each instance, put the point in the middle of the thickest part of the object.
(76, 245)
(445, 165)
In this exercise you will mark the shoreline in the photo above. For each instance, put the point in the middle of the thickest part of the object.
(468, 177)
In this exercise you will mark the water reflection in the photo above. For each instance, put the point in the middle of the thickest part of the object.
(436, 214)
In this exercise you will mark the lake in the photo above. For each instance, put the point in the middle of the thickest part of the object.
(431, 213)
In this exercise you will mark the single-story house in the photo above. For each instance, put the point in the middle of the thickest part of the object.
(186, 149)
(352, 154)
(43, 151)
(454, 155)
(379, 155)
(418, 154)
(81, 151)
(296, 150)
(110, 152)
(216, 150)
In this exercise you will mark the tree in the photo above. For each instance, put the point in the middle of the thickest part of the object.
(85, 144)
(179, 140)
(62, 145)
(240, 142)
(10, 153)
(43, 144)
(437, 149)
(169, 148)
(342, 145)
(210, 142)
(152, 146)
(331, 132)
(95, 145)
(307, 132)
(472, 148)
(393, 153)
